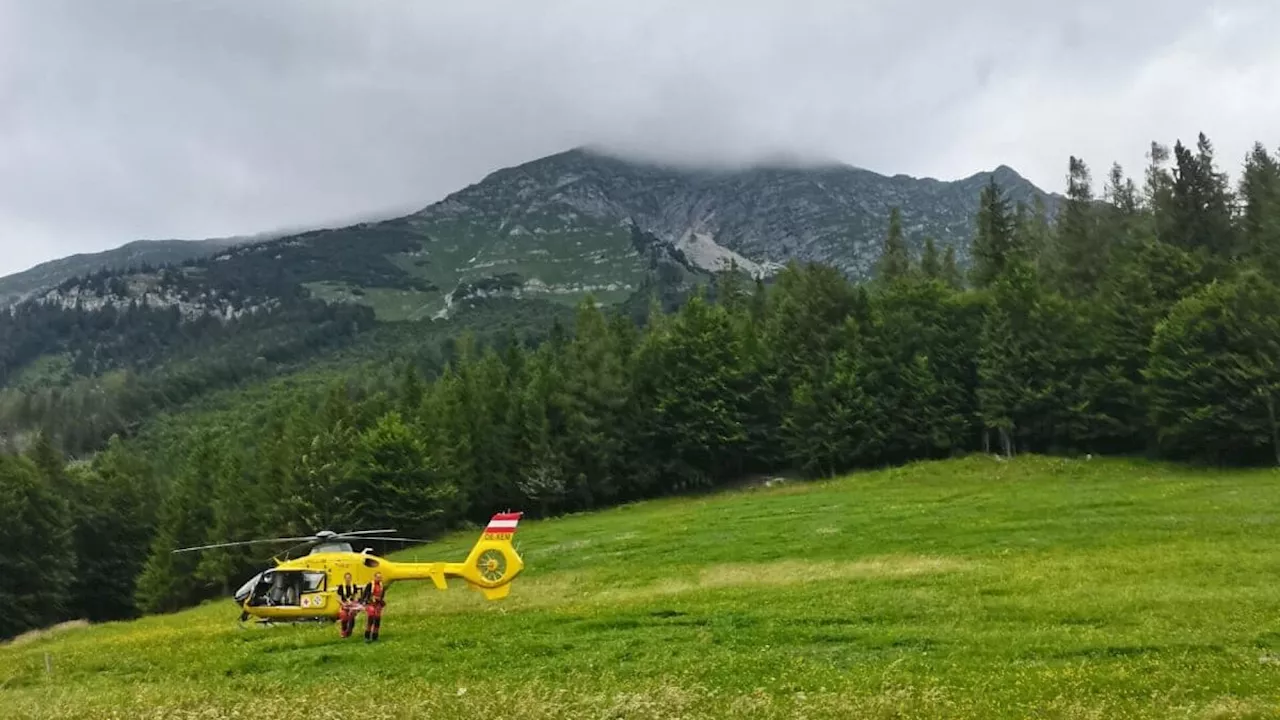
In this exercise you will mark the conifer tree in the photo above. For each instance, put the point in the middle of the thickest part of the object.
(834, 422)
(394, 483)
(1260, 221)
(914, 361)
(1120, 192)
(951, 274)
(542, 473)
(410, 389)
(112, 530)
(169, 581)
(1119, 220)
(233, 506)
(1082, 248)
(1157, 194)
(694, 424)
(996, 244)
(895, 259)
(930, 261)
(1037, 237)
(591, 405)
(1201, 203)
(37, 568)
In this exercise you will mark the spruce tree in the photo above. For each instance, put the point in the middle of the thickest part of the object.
(834, 423)
(895, 259)
(113, 527)
(951, 274)
(1082, 249)
(996, 243)
(591, 405)
(1260, 220)
(1119, 220)
(1035, 233)
(37, 565)
(930, 261)
(1201, 204)
(1157, 194)
(169, 581)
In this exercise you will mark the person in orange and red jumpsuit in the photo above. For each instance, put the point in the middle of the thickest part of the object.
(349, 604)
(374, 601)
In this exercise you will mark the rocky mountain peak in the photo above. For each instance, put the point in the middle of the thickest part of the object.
(766, 213)
(565, 225)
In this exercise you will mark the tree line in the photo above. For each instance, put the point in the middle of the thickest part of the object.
(1143, 320)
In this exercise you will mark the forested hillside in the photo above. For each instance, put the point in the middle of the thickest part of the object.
(1143, 320)
(140, 253)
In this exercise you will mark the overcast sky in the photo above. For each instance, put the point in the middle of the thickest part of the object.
(127, 119)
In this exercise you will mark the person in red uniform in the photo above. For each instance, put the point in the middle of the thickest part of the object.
(349, 604)
(374, 601)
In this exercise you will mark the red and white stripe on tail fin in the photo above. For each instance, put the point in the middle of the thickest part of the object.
(503, 524)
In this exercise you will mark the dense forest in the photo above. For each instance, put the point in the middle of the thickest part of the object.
(1144, 318)
(110, 369)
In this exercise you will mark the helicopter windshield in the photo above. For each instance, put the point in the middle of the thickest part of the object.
(248, 587)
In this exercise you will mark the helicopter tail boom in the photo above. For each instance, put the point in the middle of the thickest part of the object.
(490, 566)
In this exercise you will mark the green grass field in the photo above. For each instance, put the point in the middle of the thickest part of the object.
(972, 588)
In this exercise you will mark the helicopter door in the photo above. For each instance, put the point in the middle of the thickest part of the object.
(285, 587)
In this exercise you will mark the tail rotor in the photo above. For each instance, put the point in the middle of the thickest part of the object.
(493, 562)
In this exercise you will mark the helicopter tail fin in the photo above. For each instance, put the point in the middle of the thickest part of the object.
(503, 524)
(493, 562)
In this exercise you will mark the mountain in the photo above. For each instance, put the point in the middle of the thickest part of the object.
(140, 253)
(105, 340)
(566, 225)
(560, 225)
(761, 217)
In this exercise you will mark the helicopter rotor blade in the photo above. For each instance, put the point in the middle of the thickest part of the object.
(290, 549)
(364, 532)
(242, 542)
(391, 539)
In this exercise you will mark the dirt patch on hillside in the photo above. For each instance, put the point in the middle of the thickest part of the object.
(794, 572)
(33, 635)
(791, 572)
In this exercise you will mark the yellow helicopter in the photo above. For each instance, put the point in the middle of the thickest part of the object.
(305, 588)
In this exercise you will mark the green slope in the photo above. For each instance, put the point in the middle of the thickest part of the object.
(969, 588)
(130, 255)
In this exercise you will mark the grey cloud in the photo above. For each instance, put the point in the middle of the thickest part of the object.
(133, 118)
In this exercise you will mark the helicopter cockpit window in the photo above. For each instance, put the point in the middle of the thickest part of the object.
(314, 582)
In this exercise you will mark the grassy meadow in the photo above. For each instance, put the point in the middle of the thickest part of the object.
(972, 588)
